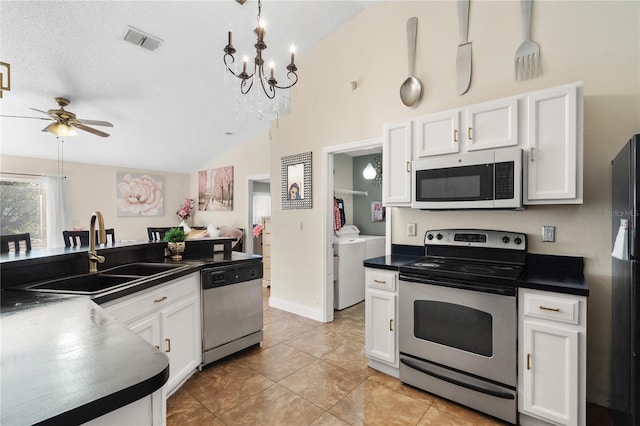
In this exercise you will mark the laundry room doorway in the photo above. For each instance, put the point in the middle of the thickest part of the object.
(353, 204)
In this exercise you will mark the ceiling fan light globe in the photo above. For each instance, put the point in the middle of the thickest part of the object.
(60, 129)
(369, 172)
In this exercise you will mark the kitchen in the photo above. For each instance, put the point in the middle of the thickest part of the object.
(602, 38)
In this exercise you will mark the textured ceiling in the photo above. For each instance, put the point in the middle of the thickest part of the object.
(174, 109)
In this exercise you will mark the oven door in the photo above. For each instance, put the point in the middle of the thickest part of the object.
(466, 330)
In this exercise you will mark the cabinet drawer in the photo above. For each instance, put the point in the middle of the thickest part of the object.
(555, 308)
(384, 280)
(153, 299)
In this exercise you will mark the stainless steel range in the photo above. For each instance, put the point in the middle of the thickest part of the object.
(458, 323)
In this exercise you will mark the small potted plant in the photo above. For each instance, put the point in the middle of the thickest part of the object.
(175, 242)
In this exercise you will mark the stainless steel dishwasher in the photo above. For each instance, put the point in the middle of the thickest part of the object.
(231, 309)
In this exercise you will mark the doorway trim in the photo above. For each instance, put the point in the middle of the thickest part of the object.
(327, 216)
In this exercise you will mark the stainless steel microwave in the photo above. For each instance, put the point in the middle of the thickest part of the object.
(489, 179)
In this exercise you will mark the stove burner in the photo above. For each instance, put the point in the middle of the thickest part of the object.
(477, 269)
(427, 264)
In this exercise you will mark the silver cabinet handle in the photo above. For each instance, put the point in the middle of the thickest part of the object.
(168, 345)
(380, 281)
(544, 308)
(469, 133)
(455, 135)
(162, 299)
(390, 325)
(531, 154)
(408, 167)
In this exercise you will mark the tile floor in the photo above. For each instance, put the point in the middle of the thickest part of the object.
(310, 373)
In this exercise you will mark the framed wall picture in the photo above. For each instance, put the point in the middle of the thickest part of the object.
(215, 189)
(139, 194)
(296, 181)
(377, 211)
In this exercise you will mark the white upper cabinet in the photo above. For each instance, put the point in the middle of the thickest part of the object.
(396, 163)
(438, 134)
(492, 124)
(487, 125)
(554, 135)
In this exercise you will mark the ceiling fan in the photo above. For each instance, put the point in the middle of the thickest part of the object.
(66, 122)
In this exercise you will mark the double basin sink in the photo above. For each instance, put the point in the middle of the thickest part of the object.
(109, 279)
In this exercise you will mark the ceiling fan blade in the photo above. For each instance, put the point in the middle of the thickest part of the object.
(39, 110)
(91, 130)
(95, 122)
(24, 116)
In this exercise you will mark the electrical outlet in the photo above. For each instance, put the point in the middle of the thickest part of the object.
(549, 233)
(411, 229)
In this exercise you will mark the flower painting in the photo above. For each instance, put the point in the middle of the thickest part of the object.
(139, 195)
(215, 189)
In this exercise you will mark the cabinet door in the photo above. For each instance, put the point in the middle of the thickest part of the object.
(492, 124)
(396, 163)
(380, 326)
(553, 145)
(148, 328)
(550, 372)
(181, 338)
(438, 134)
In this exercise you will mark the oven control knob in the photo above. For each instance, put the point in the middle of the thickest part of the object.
(505, 239)
(517, 240)
(429, 237)
(439, 236)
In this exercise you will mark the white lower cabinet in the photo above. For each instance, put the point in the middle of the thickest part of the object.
(381, 305)
(167, 316)
(552, 358)
(145, 411)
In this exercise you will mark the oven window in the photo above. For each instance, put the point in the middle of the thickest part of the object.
(454, 325)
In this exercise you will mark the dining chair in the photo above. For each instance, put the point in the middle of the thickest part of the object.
(81, 238)
(15, 239)
(157, 233)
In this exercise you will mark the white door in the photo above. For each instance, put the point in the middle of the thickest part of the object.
(396, 164)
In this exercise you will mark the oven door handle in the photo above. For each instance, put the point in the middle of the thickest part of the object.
(453, 283)
(483, 389)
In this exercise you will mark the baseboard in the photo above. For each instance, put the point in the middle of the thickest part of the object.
(295, 308)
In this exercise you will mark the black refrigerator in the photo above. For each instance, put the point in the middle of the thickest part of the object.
(625, 291)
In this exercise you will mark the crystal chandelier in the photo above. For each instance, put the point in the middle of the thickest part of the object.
(268, 84)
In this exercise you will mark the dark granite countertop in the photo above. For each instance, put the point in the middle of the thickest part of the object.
(560, 274)
(66, 361)
(391, 261)
(79, 362)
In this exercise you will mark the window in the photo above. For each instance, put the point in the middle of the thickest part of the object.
(24, 209)
(34, 205)
(261, 206)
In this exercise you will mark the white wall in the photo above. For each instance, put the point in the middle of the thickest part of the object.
(250, 159)
(594, 42)
(90, 187)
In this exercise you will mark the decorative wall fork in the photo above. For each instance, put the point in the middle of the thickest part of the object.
(527, 62)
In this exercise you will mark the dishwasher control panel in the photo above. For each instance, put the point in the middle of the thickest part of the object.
(228, 275)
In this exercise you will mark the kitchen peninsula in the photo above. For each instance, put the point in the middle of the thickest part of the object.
(64, 359)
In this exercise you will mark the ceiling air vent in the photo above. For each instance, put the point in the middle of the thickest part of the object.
(142, 39)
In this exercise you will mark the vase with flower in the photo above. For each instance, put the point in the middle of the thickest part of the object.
(185, 210)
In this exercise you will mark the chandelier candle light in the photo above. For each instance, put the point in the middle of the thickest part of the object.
(258, 68)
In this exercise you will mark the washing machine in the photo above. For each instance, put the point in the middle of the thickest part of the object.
(350, 249)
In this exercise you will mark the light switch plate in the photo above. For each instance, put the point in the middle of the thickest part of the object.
(411, 229)
(549, 233)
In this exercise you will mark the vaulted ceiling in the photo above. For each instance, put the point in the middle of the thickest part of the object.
(173, 109)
